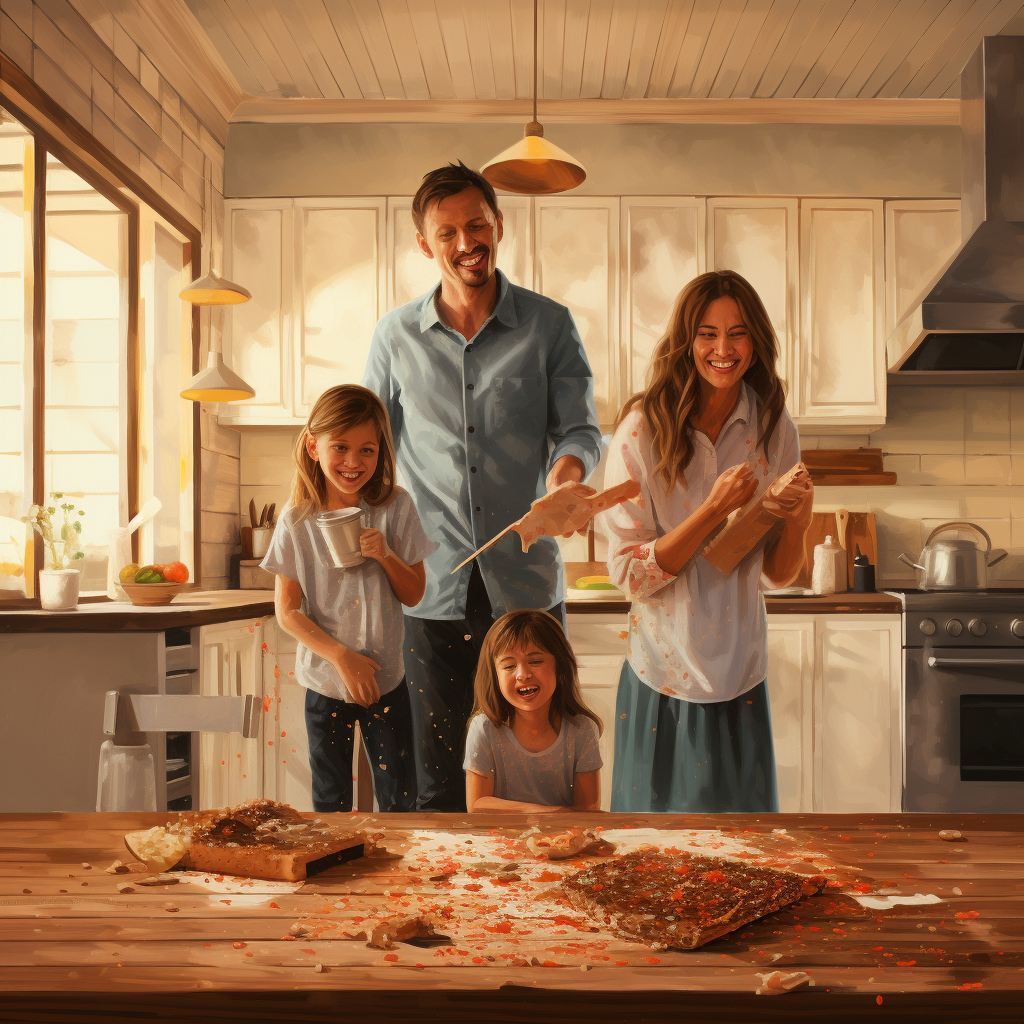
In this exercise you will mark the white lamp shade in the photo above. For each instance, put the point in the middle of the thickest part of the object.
(217, 383)
(213, 290)
(534, 166)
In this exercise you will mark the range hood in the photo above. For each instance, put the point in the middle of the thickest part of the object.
(968, 325)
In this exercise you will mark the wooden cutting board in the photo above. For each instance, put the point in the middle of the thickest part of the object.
(860, 530)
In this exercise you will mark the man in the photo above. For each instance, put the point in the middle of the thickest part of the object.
(491, 402)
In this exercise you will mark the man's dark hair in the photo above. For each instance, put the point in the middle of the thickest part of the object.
(449, 181)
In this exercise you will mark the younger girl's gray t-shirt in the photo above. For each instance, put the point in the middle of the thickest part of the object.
(357, 605)
(536, 777)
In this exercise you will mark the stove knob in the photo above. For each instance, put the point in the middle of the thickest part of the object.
(1017, 628)
(977, 627)
(927, 626)
(954, 627)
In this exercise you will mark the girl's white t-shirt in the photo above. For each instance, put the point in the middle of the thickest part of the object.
(356, 606)
(533, 776)
(701, 636)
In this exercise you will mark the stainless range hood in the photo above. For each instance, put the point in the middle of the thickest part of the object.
(968, 327)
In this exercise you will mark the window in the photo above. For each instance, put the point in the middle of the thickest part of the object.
(89, 374)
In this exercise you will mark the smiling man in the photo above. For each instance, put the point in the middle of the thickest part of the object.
(491, 401)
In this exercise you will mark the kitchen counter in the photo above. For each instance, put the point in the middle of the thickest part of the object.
(847, 603)
(192, 608)
(73, 948)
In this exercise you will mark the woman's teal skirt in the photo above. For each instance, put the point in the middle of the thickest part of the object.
(679, 756)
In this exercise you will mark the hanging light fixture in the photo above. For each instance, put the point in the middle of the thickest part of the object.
(534, 166)
(217, 383)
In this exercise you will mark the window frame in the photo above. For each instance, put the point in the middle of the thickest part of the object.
(76, 155)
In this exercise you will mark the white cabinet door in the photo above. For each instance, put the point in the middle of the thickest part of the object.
(662, 243)
(840, 376)
(921, 235)
(791, 699)
(231, 766)
(258, 255)
(410, 273)
(858, 685)
(577, 264)
(599, 647)
(339, 293)
(758, 239)
(286, 775)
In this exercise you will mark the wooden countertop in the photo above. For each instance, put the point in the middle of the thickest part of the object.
(192, 608)
(73, 948)
(847, 603)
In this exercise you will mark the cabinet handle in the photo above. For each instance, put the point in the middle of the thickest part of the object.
(934, 662)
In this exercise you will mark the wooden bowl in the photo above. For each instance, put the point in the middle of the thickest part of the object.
(150, 594)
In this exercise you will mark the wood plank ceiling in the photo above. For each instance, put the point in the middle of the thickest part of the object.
(447, 50)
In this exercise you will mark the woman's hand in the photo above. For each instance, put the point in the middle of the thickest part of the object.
(373, 544)
(794, 503)
(357, 673)
(732, 490)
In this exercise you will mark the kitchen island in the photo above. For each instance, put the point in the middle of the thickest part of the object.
(73, 948)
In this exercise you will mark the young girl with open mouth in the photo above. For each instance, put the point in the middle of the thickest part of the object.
(532, 742)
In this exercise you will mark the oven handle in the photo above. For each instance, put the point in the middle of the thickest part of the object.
(934, 662)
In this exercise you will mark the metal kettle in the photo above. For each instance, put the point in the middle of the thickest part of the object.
(954, 564)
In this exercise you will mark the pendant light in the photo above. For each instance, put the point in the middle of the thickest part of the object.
(533, 166)
(217, 383)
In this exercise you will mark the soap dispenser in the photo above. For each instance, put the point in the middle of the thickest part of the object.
(829, 573)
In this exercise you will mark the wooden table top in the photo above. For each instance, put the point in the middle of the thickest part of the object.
(72, 947)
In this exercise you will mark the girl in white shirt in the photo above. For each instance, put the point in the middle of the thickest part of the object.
(349, 621)
(692, 723)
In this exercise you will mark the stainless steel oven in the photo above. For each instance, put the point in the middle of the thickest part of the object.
(964, 701)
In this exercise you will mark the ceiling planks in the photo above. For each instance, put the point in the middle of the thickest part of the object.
(444, 51)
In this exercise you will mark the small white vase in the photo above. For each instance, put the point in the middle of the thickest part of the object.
(58, 589)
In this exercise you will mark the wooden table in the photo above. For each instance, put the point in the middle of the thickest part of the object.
(72, 948)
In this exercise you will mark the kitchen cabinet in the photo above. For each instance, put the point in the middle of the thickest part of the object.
(599, 650)
(758, 238)
(839, 371)
(921, 236)
(663, 247)
(577, 264)
(231, 664)
(834, 683)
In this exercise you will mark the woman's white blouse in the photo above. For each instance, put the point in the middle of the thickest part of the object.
(701, 636)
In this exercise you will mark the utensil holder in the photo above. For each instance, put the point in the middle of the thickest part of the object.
(261, 540)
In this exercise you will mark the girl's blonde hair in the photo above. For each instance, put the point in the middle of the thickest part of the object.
(672, 394)
(336, 411)
(518, 629)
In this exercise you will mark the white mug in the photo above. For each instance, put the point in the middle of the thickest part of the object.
(341, 529)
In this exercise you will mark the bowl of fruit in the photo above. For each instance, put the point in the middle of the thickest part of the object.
(149, 585)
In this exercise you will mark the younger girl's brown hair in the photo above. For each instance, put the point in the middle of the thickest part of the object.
(337, 411)
(519, 629)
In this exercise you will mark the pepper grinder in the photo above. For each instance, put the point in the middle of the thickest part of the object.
(863, 574)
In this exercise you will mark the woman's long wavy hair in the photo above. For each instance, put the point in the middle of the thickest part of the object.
(672, 395)
(337, 411)
(518, 629)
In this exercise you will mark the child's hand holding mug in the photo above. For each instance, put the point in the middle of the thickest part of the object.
(373, 544)
(357, 673)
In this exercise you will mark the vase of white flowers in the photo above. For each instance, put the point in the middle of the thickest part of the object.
(58, 580)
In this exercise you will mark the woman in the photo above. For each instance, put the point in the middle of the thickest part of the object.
(692, 725)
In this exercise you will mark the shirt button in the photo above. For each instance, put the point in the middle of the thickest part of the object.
(477, 508)
(472, 469)
(469, 387)
(469, 348)
(472, 429)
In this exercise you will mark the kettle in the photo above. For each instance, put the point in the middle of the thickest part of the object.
(954, 564)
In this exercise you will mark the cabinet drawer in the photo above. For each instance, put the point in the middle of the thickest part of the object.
(598, 634)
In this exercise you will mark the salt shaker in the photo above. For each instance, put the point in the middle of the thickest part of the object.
(829, 573)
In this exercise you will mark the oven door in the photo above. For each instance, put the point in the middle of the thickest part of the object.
(964, 730)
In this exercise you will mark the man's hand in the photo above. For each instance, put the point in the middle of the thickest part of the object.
(357, 673)
(567, 470)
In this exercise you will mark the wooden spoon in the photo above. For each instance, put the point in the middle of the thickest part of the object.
(252, 513)
(842, 521)
(270, 513)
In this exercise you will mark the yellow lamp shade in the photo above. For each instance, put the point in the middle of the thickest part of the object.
(217, 383)
(213, 290)
(534, 166)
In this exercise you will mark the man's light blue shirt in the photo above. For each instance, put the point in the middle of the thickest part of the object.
(477, 426)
